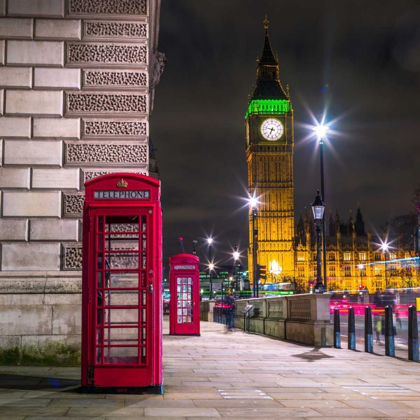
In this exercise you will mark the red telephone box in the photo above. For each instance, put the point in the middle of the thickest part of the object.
(184, 287)
(121, 294)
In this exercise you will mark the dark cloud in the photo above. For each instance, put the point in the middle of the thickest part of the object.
(364, 50)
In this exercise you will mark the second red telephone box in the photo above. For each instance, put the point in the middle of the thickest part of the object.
(184, 287)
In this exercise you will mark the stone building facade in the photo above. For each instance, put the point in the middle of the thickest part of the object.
(77, 81)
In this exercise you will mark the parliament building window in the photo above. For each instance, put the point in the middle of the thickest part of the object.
(377, 256)
(301, 257)
(362, 256)
(331, 256)
(347, 271)
(347, 256)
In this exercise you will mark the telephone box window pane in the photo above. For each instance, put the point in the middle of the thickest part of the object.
(143, 317)
(143, 261)
(121, 298)
(98, 355)
(121, 336)
(143, 223)
(100, 242)
(99, 298)
(100, 281)
(123, 260)
(122, 224)
(122, 243)
(100, 261)
(100, 223)
(143, 298)
(143, 279)
(143, 336)
(144, 243)
(121, 317)
(121, 355)
(99, 316)
(143, 355)
(126, 279)
(99, 333)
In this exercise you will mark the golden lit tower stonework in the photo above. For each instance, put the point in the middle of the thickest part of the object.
(269, 150)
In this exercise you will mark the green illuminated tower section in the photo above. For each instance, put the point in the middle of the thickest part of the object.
(269, 150)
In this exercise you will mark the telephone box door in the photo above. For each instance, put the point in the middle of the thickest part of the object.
(122, 310)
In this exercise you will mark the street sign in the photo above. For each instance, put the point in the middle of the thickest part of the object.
(217, 287)
(247, 309)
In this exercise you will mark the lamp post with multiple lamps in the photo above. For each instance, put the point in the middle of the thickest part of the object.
(318, 207)
(253, 203)
(321, 132)
(211, 265)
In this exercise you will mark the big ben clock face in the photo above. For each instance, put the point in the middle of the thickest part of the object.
(272, 129)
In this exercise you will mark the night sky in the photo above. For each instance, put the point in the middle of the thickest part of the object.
(362, 57)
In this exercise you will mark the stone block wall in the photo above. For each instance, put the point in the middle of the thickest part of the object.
(76, 92)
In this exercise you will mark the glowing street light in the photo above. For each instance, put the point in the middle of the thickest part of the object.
(318, 207)
(253, 204)
(236, 255)
(385, 248)
(210, 243)
(321, 131)
(211, 267)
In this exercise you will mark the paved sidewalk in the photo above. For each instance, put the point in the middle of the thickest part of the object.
(233, 375)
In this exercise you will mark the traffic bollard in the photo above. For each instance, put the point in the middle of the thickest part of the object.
(368, 330)
(389, 332)
(352, 330)
(337, 329)
(413, 334)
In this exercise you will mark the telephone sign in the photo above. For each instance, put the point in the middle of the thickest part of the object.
(122, 285)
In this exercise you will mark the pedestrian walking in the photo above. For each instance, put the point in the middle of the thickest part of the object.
(378, 315)
(229, 310)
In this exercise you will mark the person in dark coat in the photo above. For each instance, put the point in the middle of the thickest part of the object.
(229, 308)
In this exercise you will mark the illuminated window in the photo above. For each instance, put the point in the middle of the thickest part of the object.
(331, 256)
(331, 271)
(392, 256)
(377, 256)
(347, 271)
(347, 256)
(362, 256)
(378, 271)
(301, 272)
(301, 257)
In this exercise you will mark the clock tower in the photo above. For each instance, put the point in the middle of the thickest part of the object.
(269, 151)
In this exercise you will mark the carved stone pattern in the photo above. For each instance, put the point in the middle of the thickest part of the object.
(103, 103)
(88, 175)
(300, 309)
(123, 7)
(73, 204)
(115, 78)
(107, 153)
(116, 30)
(115, 128)
(72, 257)
(106, 53)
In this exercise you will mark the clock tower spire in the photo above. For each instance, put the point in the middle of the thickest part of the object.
(269, 150)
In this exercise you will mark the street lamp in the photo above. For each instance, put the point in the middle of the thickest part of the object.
(361, 268)
(236, 256)
(210, 243)
(385, 247)
(321, 133)
(253, 203)
(318, 207)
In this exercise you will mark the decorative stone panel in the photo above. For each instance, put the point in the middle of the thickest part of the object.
(119, 79)
(106, 30)
(73, 204)
(88, 175)
(300, 309)
(108, 7)
(117, 153)
(98, 103)
(93, 54)
(72, 256)
(114, 128)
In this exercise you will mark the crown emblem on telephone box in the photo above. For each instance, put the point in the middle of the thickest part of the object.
(122, 184)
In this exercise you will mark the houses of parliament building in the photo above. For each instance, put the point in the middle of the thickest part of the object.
(355, 258)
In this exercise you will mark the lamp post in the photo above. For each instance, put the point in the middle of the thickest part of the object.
(318, 207)
(385, 247)
(210, 243)
(235, 267)
(321, 131)
(253, 202)
(361, 267)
